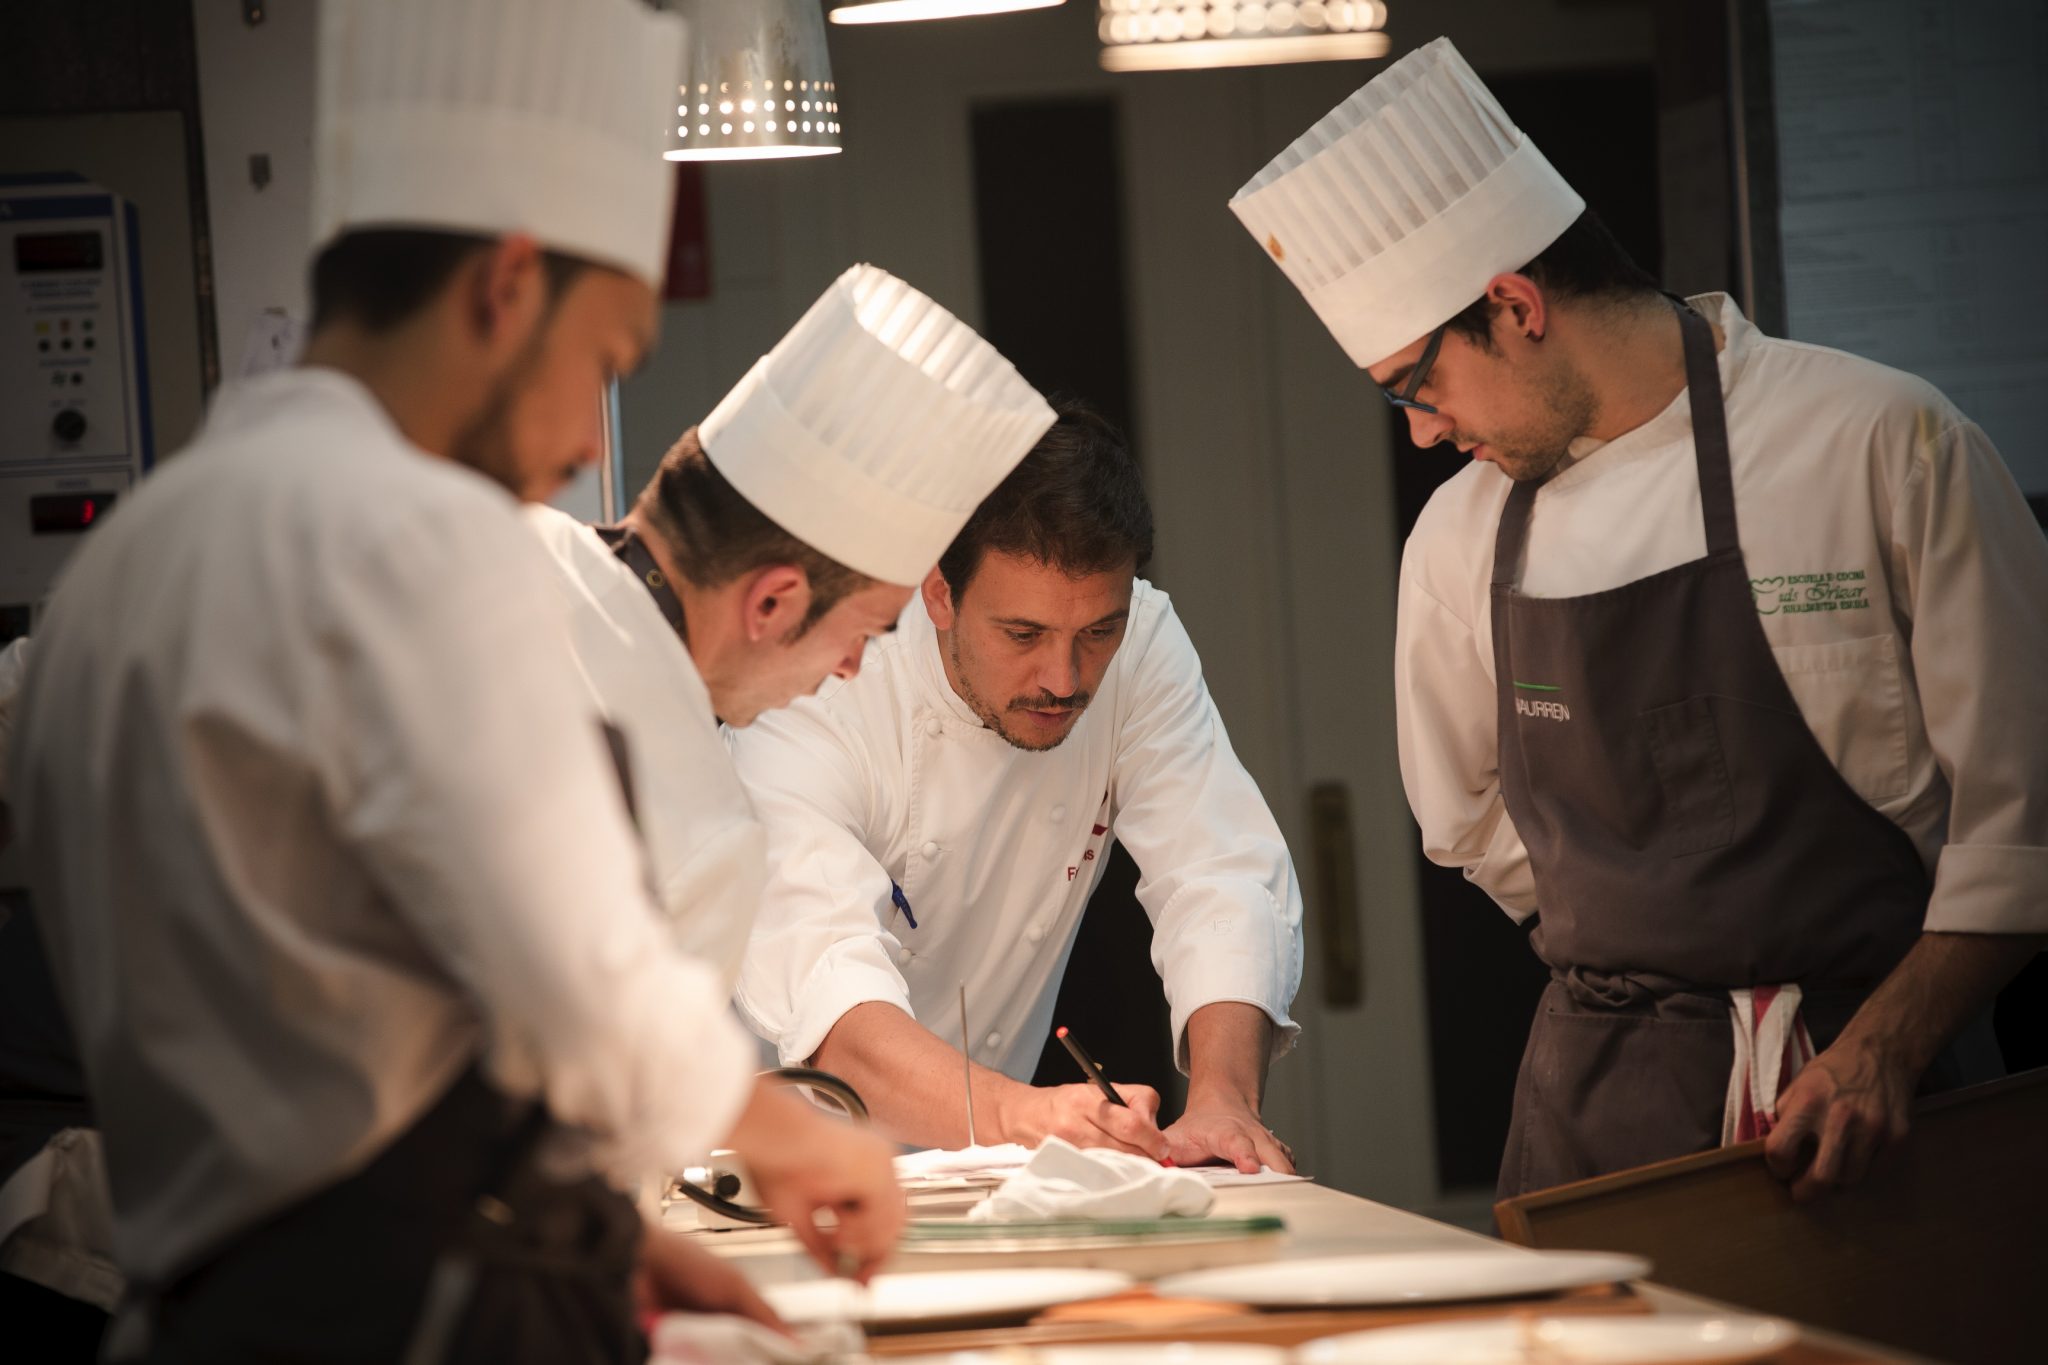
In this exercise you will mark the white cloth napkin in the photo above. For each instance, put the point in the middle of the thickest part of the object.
(1062, 1181)
(723, 1339)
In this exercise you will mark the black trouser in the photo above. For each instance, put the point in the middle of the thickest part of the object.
(449, 1246)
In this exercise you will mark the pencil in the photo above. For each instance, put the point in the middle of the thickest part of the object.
(1090, 1066)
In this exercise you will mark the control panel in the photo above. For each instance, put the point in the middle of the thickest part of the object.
(74, 402)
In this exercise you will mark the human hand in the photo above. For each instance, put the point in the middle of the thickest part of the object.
(1848, 1105)
(1230, 1132)
(805, 1163)
(676, 1275)
(1078, 1113)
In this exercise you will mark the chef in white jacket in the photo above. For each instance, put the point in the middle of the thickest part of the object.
(942, 818)
(772, 542)
(327, 846)
(1721, 658)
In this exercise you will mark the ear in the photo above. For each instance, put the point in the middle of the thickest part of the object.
(1519, 306)
(938, 600)
(505, 292)
(774, 602)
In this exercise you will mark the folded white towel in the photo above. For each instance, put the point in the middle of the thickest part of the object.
(1062, 1181)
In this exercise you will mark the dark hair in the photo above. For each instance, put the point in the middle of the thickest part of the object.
(379, 277)
(715, 535)
(1585, 262)
(1075, 502)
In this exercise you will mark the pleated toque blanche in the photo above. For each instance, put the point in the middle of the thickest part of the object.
(499, 116)
(1392, 213)
(875, 427)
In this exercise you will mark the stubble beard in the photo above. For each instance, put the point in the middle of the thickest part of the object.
(993, 718)
(1567, 409)
(486, 444)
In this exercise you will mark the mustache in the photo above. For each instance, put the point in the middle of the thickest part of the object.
(1046, 701)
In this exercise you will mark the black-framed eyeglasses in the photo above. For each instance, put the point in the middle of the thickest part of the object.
(1406, 397)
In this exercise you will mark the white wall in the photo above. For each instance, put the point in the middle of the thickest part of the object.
(256, 97)
(1266, 454)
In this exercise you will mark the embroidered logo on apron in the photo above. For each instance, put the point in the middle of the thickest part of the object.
(1795, 593)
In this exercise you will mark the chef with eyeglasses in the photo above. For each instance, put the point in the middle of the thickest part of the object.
(1719, 662)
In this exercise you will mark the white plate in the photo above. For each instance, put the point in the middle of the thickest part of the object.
(1152, 1353)
(1413, 1277)
(943, 1296)
(1647, 1340)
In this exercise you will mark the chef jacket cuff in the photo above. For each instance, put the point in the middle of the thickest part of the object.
(1238, 948)
(1503, 872)
(717, 1083)
(1989, 889)
(840, 981)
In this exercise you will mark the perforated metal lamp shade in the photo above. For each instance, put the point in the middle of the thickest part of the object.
(903, 11)
(1168, 35)
(757, 82)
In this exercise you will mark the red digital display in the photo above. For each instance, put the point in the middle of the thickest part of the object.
(57, 514)
(34, 251)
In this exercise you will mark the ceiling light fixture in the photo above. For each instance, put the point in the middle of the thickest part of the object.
(904, 11)
(1180, 35)
(757, 83)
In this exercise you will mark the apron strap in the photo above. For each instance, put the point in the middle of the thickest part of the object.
(1513, 533)
(625, 543)
(1709, 431)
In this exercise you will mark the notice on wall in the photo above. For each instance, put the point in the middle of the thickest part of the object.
(1913, 185)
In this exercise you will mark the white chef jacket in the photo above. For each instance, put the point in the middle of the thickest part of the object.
(707, 851)
(317, 811)
(1899, 576)
(892, 777)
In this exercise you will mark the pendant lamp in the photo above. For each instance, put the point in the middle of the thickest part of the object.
(1168, 35)
(757, 82)
(902, 11)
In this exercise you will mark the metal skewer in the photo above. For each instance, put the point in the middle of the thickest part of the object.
(967, 1058)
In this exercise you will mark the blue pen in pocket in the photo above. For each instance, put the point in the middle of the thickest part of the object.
(902, 903)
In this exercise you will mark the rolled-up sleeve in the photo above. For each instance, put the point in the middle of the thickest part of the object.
(1215, 875)
(819, 945)
(1446, 726)
(1976, 569)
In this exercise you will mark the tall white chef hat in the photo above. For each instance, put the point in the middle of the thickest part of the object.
(1395, 209)
(875, 427)
(497, 116)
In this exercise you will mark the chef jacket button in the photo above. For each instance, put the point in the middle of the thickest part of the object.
(935, 727)
(1059, 813)
(1035, 933)
(994, 1040)
(931, 850)
(903, 956)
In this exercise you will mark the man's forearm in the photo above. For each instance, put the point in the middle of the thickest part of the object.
(1944, 981)
(913, 1084)
(1229, 1044)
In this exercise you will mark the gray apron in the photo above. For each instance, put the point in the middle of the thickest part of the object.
(1687, 833)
